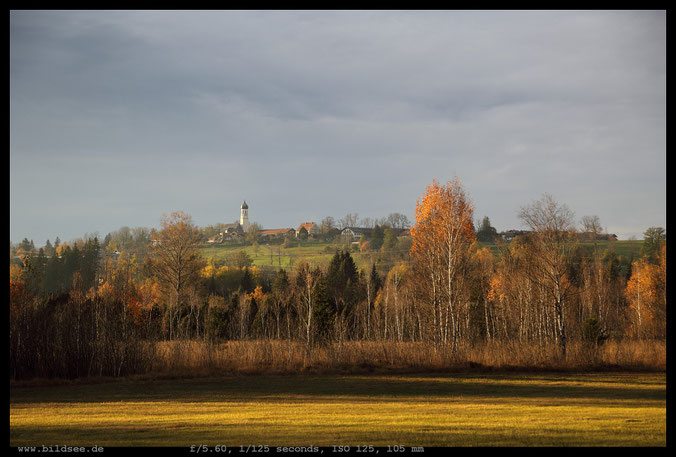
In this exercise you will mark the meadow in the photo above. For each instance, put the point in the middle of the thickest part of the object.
(314, 253)
(318, 253)
(462, 409)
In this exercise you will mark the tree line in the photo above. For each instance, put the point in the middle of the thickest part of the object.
(85, 311)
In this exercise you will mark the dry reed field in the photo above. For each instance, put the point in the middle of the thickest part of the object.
(278, 357)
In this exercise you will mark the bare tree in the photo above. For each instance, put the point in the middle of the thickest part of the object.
(175, 260)
(591, 226)
(306, 281)
(396, 220)
(350, 220)
(367, 222)
(327, 224)
(551, 240)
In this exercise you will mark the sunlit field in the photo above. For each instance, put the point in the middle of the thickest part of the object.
(277, 256)
(320, 253)
(617, 409)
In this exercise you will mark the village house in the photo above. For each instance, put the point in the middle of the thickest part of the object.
(356, 233)
(283, 232)
(236, 231)
(509, 235)
(311, 227)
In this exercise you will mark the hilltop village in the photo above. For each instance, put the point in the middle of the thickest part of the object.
(237, 230)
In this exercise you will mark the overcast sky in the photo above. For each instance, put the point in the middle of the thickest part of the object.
(117, 117)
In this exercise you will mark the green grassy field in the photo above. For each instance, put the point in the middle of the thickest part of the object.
(316, 254)
(320, 253)
(410, 410)
(626, 248)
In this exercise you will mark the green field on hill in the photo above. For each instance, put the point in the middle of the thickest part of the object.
(628, 249)
(524, 409)
(320, 253)
(315, 253)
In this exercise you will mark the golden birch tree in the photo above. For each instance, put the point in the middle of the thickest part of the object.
(440, 240)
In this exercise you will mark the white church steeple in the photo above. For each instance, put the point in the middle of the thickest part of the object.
(244, 216)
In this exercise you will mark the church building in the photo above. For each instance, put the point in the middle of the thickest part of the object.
(244, 216)
(237, 230)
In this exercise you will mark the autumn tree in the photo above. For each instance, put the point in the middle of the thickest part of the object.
(239, 259)
(174, 260)
(646, 294)
(550, 242)
(394, 305)
(440, 240)
(482, 262)
(389, 239)
(253, 233)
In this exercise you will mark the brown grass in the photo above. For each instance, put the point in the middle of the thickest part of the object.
(192, 359)
(278, 357)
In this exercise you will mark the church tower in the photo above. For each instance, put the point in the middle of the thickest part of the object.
(244, 217)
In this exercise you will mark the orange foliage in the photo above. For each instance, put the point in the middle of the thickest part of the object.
(150, 294)
(257, 295)
(443, 218)
(59, 249)
(646, 295)
(495, 291)
(19, 296)
(15, 272)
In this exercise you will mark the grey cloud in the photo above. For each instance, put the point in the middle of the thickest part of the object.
(354, 104)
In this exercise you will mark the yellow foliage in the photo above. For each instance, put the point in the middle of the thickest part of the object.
(208, 271)
(59, 249)
(106, 290)
(643, 292)
(495, 292)
(149, 293)
(15, 272)
(257, 295)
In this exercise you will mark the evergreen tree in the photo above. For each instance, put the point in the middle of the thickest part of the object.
(49, 249)
(343, 287)
(26, 246)
(486, 233)
(652, 241)
(52, 276)
(35, 271)
(323, 310)
(246, 284)
(377, 237)
(389, 239)
(375, 280)
(89, 264)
